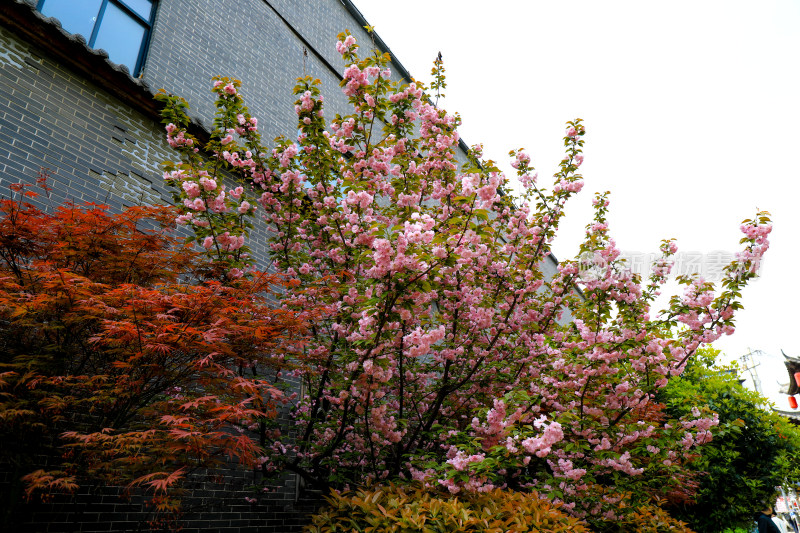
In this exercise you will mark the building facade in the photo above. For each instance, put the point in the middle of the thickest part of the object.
(77, 81)
(92, 122)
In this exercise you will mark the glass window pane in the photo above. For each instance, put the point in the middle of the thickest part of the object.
(120, 36)
(140, 7)
(76, 16)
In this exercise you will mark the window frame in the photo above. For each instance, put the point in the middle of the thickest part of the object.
(121, 4)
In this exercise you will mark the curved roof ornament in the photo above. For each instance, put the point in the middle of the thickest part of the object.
(793, 368)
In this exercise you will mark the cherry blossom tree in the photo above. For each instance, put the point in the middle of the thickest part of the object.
(444, 353)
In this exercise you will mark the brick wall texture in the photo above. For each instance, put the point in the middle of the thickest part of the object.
(98, 149)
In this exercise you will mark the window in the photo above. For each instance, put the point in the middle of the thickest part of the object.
(120, 27)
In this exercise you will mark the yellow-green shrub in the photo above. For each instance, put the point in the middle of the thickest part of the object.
(407, 509)
(651, 518)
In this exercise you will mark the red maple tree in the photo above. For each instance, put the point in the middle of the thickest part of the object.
(126, 358)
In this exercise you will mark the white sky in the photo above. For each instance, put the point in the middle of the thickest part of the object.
(691, 108)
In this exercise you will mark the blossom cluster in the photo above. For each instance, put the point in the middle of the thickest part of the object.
(441, 351)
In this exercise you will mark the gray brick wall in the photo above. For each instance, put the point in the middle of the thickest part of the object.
(99, 149)
(216, 508)
(194, 40)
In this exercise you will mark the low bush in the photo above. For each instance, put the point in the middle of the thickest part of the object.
(410, 508)
(650, 518)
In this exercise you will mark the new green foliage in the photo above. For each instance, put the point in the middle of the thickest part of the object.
(754, 449)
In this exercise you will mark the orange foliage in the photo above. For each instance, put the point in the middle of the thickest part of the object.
(122, 359)
(411, 508)
(652, 518)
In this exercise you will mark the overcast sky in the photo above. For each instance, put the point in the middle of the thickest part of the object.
(692, 111)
